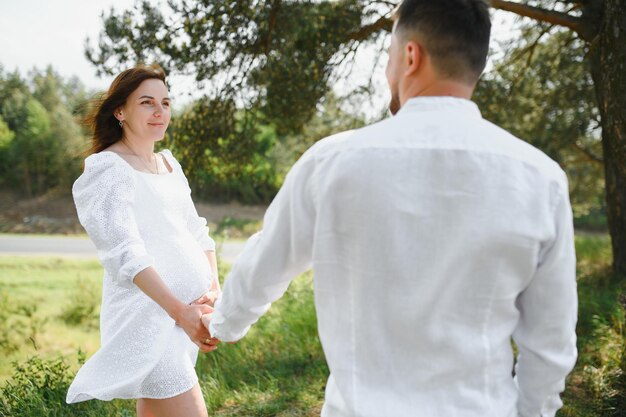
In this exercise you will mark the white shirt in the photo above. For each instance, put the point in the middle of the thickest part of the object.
(435, 237)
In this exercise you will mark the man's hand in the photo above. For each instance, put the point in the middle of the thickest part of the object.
(206, 320)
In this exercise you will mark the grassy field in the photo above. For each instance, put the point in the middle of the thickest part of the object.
(49, 319)
(48, 307)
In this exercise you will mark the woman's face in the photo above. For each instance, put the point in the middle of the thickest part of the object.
(146, 113)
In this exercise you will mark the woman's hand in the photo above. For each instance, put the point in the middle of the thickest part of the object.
(209, 298)
(186, 316)
(189, 318)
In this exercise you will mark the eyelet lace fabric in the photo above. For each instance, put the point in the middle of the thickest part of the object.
(138, 220)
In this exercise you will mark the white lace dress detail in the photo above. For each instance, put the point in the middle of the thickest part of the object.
(138, 220)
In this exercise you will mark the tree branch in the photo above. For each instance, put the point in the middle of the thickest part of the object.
(383, 23)
(549, 16)
(590, 155)
(528, 50)
(577, 24)
(272, 24)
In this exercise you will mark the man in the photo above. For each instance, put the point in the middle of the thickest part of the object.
(435, 237)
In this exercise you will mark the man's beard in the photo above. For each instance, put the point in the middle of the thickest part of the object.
(394, 104)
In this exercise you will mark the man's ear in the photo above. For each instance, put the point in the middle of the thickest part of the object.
(413, 57)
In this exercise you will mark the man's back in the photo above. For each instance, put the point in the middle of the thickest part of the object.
(434, 237)
(428, 227)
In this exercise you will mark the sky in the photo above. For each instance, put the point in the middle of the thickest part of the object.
(38, 33)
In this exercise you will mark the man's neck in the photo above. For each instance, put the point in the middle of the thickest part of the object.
(439, 88)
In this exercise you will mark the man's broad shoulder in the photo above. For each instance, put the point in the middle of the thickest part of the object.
(527, 153)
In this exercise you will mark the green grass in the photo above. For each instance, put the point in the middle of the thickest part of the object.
(232, 228)
(34, 294)
(279, 368)
(597, 386)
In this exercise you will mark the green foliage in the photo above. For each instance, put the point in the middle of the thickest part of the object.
(293, 75)
(594, 220)
(279, 368)
(33, 295)
(39, 137)
(230, 227)
(6, 135)
(597, 385)
(227, 153)
(245, 161)
(82, 305)
(9, 327)
(222, 152)
(19, 324)
(38, 387)
(34, 324)
(276, 57)
(329, 119)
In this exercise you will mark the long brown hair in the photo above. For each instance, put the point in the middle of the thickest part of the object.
(101, 121)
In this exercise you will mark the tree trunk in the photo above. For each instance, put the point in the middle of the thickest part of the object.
(608, 67)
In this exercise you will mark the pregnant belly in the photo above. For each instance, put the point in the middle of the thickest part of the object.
(184, 268)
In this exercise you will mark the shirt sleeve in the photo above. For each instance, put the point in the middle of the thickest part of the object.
(545, 335)
(271, 258)
(104, 196)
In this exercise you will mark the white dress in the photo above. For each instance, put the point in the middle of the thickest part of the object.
(138, 220)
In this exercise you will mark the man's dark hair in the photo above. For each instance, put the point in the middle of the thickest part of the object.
(455, 33)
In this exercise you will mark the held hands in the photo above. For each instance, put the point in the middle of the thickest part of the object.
(209, 298)
(206, 320)
(189, 318)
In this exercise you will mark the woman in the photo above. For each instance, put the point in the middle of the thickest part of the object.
(157, 256)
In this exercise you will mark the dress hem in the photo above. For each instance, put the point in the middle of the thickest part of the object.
(151, 397)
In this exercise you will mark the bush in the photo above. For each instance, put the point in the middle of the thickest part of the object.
(82, 305)
(38, 388)
(18, 324)
(9, 327)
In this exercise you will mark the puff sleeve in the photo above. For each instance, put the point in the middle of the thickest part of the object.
(104, 196)
(196, 224)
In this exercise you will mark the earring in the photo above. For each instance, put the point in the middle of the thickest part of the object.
(121, 123)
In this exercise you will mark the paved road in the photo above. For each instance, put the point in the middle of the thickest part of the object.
(80, 247)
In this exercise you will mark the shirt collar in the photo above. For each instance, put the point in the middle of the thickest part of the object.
(432, 103)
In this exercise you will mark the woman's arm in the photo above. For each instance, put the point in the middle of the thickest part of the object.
(186, 316)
